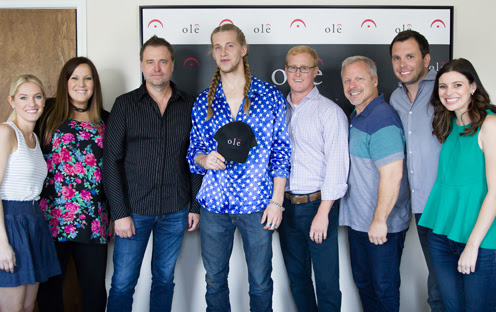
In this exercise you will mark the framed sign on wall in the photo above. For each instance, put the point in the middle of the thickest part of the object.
(334, 32)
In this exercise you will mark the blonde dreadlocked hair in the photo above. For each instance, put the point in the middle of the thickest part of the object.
(216, 77)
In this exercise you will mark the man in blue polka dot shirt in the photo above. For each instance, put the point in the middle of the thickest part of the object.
(247, 196)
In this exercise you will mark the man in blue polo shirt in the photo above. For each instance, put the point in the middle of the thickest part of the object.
(376, 208)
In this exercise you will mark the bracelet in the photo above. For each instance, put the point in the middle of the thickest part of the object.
(276, 204)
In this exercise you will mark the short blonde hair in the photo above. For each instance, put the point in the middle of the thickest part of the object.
(303, 49)
(14, 86)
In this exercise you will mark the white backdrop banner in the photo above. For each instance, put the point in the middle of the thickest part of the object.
(335, 32)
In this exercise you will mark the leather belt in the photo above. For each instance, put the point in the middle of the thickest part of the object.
(302, 199)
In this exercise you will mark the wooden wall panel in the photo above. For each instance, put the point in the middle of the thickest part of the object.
(38, 42)
(34, 41)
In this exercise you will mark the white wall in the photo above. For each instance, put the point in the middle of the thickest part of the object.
(113, 44)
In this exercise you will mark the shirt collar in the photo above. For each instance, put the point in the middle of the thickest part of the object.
(369, 108)
(312, 95)
(142, 92)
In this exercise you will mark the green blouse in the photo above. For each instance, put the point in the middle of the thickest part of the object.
(461, 186)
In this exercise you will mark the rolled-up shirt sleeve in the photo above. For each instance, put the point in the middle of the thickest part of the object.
(337, 156)
(280, 154)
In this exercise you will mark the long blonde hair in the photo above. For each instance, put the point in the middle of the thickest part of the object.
(240, 37)
(14, 86)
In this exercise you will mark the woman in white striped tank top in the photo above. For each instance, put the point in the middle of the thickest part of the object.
(27, 253)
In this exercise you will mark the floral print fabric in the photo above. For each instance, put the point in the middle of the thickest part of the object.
(72, 199)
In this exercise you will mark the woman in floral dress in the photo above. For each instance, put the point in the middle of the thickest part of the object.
(72, 132)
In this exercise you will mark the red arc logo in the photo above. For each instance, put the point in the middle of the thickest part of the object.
(437, 23)
(226, 20)
(368, 23)
(191, 62)
(297, 22)
(155, 23)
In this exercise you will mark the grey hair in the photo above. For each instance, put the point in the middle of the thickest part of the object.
(353, 59)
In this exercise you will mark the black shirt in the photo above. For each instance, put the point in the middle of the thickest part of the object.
(145, 168)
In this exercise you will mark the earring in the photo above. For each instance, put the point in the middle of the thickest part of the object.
(472, 92)
(13, 107)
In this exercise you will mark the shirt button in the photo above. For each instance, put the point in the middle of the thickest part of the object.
(411, 171)
(410, 152)
(410, 113)
(409, 132)
(413, 191)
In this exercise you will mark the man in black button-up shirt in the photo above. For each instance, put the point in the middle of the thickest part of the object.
(147, 180)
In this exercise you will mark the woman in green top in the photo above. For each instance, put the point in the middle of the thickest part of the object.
(462, 205)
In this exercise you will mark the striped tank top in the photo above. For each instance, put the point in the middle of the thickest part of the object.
(26, 171)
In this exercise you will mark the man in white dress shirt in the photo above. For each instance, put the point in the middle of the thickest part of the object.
(318, 131)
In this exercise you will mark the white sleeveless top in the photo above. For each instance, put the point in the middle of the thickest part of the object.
(26, 171)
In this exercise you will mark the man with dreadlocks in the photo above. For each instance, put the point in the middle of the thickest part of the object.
(244, 195)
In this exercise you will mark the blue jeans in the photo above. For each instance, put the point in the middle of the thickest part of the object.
(168, 232)
(376, 270)
(300, 253)
(434, 295)
(217, 235)
(463, 292)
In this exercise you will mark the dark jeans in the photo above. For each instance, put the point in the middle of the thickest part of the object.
(434, 295)
(217, 235)
(376, 270)
(300, 253)
(91, 262)
(474, 292)
(168, 232)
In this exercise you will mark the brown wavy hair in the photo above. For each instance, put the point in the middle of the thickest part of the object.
(240, 37)
(62, 109)
(477, 109)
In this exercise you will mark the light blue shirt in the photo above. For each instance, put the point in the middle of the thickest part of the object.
(242, 188)
(422, 153)
(318, 131)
